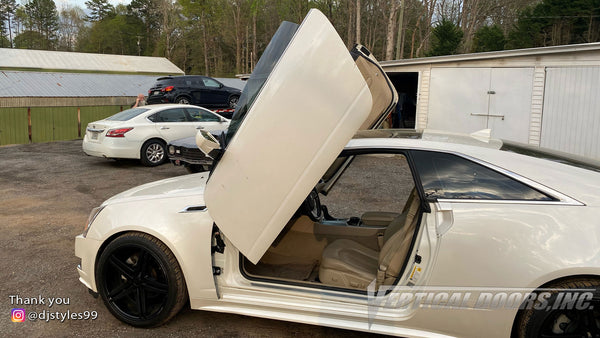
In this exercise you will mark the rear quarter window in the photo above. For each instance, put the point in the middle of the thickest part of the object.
(447, 176)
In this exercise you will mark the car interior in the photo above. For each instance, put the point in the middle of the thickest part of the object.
(358, 225)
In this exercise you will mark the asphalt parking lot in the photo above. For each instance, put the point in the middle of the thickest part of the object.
(46, 193)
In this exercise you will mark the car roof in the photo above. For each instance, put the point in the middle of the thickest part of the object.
(480, 138)
(179, 77)
(171, 105)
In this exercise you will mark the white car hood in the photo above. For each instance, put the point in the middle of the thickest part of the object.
(310, 106)
(175, 187)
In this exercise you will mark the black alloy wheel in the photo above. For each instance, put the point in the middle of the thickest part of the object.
(561, 317)
(140, 280)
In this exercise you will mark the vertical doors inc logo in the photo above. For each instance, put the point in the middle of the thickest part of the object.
(17, 315)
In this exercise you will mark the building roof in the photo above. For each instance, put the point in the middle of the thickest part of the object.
(51, 84)
(528, 52)
(42, 60)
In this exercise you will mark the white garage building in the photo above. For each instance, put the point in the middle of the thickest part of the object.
(548, 97)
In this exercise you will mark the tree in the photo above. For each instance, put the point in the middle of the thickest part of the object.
(113, 35)
(446, 38)
(99, 9)
(557, 22)
(489, 38)
(7, 12)
(71, 21)
(147, 11)
(42, 17)
(30, 40)
(4, 42)
(391, 28)
(20, 20)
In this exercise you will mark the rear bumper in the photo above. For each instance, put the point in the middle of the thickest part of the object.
(112, 148)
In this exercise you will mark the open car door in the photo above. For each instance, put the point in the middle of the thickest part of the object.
(304, 102)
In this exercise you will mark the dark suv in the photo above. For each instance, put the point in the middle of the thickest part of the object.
(193, 89)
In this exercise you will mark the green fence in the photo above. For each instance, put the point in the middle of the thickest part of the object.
(52, 124)
(91, 114)
(46, 124)
(14, 126)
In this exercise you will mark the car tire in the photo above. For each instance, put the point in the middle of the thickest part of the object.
(233, 101)
(565, 320)
(153, 153)
(140, 280)
(183, 100)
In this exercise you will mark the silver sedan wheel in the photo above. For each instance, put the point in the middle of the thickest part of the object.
(155, 153)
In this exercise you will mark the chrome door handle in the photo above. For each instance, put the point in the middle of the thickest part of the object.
(163, 128)
(200, 127)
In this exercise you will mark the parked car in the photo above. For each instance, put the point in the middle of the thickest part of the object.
(184, 152)
(193, 89)
(415, 211)
(143, 132)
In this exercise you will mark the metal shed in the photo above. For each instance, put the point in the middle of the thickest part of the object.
(546, 97)
(48, 95)
(28, 59)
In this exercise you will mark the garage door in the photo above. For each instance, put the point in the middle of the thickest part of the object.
(470, 99)
(571, 117)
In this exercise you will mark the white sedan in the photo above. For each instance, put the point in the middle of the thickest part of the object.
(408, 233)
(143, 132)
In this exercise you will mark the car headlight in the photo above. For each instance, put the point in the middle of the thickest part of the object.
(91, 219)
(171, 150)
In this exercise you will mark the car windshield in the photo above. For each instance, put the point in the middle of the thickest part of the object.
(126, 115)
(259, 76)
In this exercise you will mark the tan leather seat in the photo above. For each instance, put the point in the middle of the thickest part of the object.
(337, 270)
(349, 264)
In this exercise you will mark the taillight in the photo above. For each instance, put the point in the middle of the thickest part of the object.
(167, 89)
(120, 132)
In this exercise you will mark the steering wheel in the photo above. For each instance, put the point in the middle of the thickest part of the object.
(312, 206)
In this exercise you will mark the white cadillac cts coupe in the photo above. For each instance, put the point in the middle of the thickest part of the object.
(407, 233)
(143, 132)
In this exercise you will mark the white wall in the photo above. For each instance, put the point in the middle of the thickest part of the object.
(571, 114)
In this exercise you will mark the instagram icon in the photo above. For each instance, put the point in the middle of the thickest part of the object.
(17, 315)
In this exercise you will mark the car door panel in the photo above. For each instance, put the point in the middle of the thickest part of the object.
(261, 180)
(172, 124)
(203, 119)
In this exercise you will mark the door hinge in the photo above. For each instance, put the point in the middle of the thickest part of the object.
(218, 245)
(217, 270)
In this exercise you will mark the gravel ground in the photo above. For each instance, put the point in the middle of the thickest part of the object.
(386, 176)
(46, 193)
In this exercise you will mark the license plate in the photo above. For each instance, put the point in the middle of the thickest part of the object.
(156, 92)
(95, 136)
